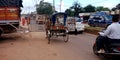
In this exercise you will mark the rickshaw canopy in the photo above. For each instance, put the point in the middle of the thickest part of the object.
(54, 16)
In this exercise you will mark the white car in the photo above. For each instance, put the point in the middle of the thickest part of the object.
(75, 24)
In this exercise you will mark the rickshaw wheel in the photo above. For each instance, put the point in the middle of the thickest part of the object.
(66, 37)
(48, 36)
(48, 40)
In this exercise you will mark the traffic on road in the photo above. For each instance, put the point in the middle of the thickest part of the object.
(42, 30)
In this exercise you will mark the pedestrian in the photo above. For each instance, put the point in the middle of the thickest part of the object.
(27, 22)
(47, 26)
(24, 24)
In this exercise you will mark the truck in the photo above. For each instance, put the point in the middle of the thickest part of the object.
(9, 15)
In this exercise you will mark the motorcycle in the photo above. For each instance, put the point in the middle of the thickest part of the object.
(111, 51)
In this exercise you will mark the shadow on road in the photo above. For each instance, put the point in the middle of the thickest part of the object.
(74, 33)
(9, 37)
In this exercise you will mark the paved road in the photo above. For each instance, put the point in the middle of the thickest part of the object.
(34, 27)
(79, 47)
(33, 46)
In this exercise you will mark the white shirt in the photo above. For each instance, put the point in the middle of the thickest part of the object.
(112, 32)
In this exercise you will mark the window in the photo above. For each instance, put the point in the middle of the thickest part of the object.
(78, 20)
(97, 18)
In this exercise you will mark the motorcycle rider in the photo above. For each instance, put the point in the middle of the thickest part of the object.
(111, 34)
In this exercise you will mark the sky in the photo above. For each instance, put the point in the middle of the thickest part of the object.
(29, 5)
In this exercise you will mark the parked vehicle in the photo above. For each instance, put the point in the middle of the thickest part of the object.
(100, 19)
(75, 24)
(9, 15)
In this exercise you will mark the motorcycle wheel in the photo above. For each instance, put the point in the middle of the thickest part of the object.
(95, 49)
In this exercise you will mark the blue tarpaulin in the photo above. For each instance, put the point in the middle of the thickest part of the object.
(103, 14)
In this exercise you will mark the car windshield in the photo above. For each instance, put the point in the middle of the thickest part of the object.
(96, 17)
(78, 20)
(108, 17)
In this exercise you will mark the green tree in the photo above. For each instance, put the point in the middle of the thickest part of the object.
(113, 9)
(101, 8)
(44, 8)
(118, 6)
(89, 8)
(69, 12)
(76, 8)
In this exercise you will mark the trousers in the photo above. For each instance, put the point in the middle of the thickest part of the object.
(102, 41)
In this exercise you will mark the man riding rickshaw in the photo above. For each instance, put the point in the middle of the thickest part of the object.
(56, 26)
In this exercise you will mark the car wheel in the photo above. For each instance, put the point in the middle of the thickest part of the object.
(76, 31)
(81, 32)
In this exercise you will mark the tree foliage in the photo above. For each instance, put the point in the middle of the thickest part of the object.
(101, 8)
(44, 8)
(76, 8)
(89, 8)
(118, 6)
(69, 12)
(113, 9)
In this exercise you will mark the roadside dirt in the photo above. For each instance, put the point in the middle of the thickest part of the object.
(29, 46)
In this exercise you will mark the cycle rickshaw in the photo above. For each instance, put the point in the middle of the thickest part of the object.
(56, 27)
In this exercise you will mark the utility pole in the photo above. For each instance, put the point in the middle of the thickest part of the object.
(60, 5)
(53, 5)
